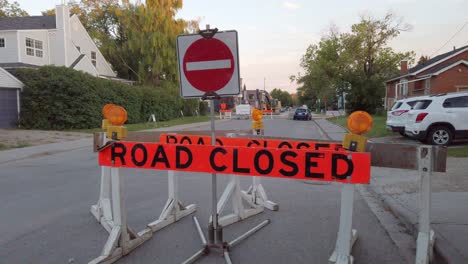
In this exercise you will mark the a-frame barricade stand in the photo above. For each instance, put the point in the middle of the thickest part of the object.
(256, 193)
(174, 209)
(121, 239)
(110, 212)
(258, 196)
(255, 197)
(233, 191)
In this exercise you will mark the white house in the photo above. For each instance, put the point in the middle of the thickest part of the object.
(34, 41)
(58, 40)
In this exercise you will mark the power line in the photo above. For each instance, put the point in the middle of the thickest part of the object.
(456, 33)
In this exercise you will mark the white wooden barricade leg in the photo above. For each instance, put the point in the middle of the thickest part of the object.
(174, 209)
(346, 235)
(102, 210)
(426, 236)
(121, 239)
(257, 194)
(233, 192)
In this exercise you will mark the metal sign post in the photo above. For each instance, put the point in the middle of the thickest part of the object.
(215, 231)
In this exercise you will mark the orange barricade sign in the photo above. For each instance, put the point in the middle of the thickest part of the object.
(249, 142)
(300, 164)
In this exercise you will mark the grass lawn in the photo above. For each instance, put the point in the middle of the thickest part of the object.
(378, 129)
(150, 125)
(460, 152)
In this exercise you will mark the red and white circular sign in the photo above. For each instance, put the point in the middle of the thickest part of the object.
(208, 64)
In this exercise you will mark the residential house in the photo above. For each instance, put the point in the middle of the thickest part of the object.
(35, 41)
(444, 73)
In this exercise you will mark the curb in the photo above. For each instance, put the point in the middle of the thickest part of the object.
(443, 252)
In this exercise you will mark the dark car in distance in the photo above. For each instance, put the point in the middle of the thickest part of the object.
(302, 113)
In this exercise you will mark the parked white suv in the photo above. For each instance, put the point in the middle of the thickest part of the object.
(396, 117)
(439, 119)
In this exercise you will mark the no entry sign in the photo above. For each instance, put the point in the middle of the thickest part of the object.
(208, 64)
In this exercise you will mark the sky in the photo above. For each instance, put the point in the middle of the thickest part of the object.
(274, 34)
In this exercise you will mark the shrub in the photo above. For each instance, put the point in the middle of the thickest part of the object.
(204, 109)
(62, 98)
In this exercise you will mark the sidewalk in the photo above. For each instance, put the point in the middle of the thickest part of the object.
(399, 189)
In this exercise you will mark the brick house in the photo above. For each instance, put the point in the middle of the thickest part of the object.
(444, 73)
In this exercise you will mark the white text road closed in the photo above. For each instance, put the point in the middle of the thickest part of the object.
(208, 64)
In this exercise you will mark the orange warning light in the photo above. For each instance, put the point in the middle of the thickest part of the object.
(116, 115)
(257, 114)
(359, 122)
(106, 109)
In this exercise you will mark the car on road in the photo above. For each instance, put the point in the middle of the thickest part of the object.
(302, 113)
(396, 117)
(439, 119)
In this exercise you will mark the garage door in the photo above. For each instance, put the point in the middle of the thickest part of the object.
(8, 108)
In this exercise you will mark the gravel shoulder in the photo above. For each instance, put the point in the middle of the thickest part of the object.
(14, 138)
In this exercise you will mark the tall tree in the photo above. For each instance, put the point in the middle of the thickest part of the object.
(357, 62)
(423, 59)
(13, 9)
(284, 97)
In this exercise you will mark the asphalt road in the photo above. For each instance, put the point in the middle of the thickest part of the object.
(45, 218)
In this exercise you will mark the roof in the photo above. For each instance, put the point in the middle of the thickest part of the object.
(428, 63)
(7, 80)
(9, 65)
(444, 66)
(28, 22)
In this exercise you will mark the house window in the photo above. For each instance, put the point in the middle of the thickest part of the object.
(2, 42)
(403, 88)
(34, 47)
(93, 58)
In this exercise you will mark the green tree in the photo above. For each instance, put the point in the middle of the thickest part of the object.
(284, 97)
(357, 62)
(423, 59)
(8, 9)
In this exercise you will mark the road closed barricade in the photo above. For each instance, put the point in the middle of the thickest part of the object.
(299, 164)
(266, 157)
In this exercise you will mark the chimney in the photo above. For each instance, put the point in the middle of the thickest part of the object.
(62, 22)
(404, 66)
(454, 48)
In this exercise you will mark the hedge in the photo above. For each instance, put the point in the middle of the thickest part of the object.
(63, 98)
